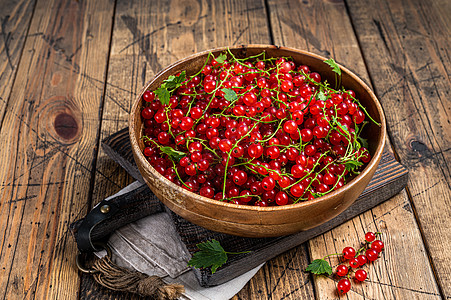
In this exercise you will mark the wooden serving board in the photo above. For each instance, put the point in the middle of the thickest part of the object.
(389, 179)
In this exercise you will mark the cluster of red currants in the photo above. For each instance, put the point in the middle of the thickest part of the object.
(372, 249)
(255, 131)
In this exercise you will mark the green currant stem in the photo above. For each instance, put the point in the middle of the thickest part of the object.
(365, 111)
(235, 253)
(331, 255)
(275, 131)
(358, 251)
(245, 117)
(201, 69)
(177, 173)
(206, 147)
(243, 196)
(169, 123)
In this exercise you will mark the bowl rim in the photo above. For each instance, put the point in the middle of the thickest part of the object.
(374, 159)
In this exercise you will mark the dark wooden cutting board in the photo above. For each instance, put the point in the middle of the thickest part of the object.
(389, 179)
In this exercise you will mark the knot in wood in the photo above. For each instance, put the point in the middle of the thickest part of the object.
(65, 126)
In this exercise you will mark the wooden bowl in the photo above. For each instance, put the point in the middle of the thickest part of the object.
(253, 221)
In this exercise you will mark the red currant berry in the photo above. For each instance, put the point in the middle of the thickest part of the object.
(348, 252)
(148, 96)
(342, 270)
(343, 286)
(281, 198)
(290, 126)
(191, 170)
(273, 152)
(361, 275)
(371, 254)
(147, 113)
(256, 188)
(249, 99)
(240, 177)
(370, 236)
(297, 190)
(196, 157)
(362, 259)
(354, 263)
(377, 245)
(298, 171)
(268, 183)
(207, 191)
(163, 138)
(306, 135)
(209, 86)
(203, 164)
(187, 123)
(255, 150)
(284, 182)
(196, 113)
(225, 145)
(287, 86)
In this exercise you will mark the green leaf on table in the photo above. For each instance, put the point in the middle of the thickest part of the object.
(319, 267)
(162, 94)
(230, 95)
(211, 254)
(175, 155)
(331, 62)
(221, 58)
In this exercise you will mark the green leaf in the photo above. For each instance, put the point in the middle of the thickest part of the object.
(174, 81)
(321, 96)
(363, 142)
(221, 58)
(172, 153)
(319, 267)
(352, 165)
(230, 95)
(211, 254)
(171, 83)
(162, 94)
(331, 62)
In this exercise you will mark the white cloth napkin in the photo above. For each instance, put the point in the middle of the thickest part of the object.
(152, 246)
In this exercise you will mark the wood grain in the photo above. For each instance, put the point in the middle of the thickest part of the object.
(49, 131)
(302, 25)
(410, 71)
(15, 17)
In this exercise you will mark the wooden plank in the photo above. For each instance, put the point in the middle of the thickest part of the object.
(15, 17)
(406, 45)
(149, 35)
(49, 131)
(303, 25)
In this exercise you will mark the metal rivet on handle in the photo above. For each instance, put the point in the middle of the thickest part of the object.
(105, 209)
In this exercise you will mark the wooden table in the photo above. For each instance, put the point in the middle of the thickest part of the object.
(71, 69)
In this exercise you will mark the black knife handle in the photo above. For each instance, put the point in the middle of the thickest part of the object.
(112, 214)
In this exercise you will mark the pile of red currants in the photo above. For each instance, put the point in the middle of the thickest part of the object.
(254, 131)
(357, 260)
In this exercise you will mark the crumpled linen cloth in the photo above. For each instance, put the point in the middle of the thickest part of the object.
(152, 246)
